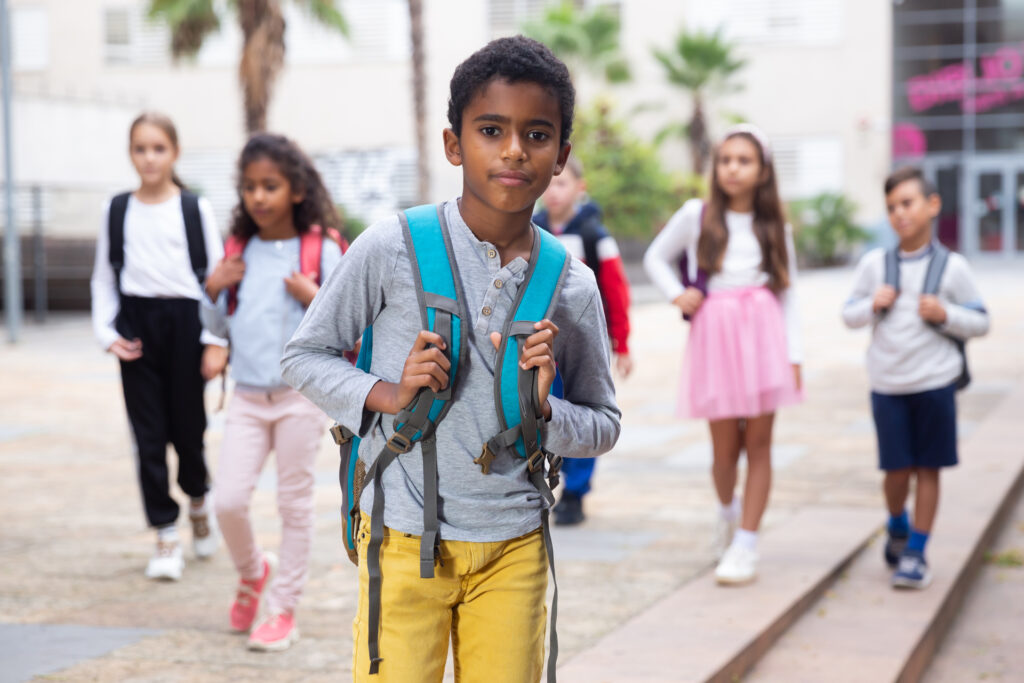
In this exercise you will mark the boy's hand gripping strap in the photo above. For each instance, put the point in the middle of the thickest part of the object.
(438, 290)
(515, 390)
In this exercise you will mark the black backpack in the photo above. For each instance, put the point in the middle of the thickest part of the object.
(115, 231)
(193, 233)
(932, 280)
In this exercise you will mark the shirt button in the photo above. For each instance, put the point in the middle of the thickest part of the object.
(498, 284)
(491, 253)
(486, 310)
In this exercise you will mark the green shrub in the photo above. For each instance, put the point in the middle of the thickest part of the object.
(825, 230)
(624, 175)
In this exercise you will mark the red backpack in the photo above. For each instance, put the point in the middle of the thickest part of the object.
(310, 252)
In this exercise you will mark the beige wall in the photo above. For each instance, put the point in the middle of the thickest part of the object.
(838, 91)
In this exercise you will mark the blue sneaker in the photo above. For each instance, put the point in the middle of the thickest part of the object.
(912, 571)
(895, 544)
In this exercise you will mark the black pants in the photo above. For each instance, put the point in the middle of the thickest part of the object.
(163, 392)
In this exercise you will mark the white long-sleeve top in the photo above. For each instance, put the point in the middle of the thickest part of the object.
(741, 264)
(156, 262)
(906, 354)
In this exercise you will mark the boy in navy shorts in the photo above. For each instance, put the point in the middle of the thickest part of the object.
(915, 363)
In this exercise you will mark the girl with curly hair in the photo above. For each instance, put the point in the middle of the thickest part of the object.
(284, 240)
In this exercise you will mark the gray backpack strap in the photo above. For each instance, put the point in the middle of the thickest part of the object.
(892, 268)
(932, 283)
(936, 268)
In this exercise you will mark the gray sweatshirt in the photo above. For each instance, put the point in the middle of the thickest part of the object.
(906, 354)
(374, 285)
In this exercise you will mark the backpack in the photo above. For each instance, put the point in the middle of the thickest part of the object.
(701, 282)
(932, 280)
(193, 235)
(311, 245)
(442, 310)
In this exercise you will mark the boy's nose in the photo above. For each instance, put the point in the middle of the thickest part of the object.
(514, 147)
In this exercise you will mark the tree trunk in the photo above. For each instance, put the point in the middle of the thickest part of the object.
(262, 57)
(419, 98)
(697, 132)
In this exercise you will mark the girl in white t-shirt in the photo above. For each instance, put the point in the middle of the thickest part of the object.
(155, 248)
(742, 361)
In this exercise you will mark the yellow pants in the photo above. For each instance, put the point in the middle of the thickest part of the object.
(489, 599)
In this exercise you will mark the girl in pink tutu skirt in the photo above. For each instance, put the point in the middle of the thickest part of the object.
(742, 362)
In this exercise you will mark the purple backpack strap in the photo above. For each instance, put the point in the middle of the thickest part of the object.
(701, 282)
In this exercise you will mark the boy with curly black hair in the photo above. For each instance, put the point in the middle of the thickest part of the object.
(511, 115)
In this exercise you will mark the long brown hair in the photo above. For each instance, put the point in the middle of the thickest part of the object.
(769, 222)
(164, 123)
(316, 207)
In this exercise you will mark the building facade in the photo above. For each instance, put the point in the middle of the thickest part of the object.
(958, 110)
(816, 82)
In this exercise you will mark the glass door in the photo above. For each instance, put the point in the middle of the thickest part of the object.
(989, 208)
(1018, 196)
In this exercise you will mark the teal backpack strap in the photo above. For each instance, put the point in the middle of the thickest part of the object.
(516, 396)
(515, 390)
(439, 292)
(351, 472)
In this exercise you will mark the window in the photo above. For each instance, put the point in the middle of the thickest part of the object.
(774, 22)
(130, 38)
(808, 166)
(30, 39)
(508, 16)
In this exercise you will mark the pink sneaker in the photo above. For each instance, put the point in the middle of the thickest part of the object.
(247, 600)
(275, 632)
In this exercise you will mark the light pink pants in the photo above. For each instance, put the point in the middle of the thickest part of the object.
(258, 422)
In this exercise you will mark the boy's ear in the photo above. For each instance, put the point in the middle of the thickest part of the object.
(934, 203)
(452, 147)
(563, 158)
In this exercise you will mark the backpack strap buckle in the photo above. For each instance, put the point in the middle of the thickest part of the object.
(535, 461)
(399, 444)
(485, 458)
(341, 435)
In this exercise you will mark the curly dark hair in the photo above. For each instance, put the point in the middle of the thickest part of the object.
(316, 207)
(516, 59)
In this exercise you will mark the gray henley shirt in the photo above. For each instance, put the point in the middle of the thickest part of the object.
(374, 285)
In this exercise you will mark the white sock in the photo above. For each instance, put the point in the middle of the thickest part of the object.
(167, 534)
(730, 511)
(200, 509)
(745, 539)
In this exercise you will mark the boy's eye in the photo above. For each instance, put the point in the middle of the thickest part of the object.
(538, 135)
(489, 131)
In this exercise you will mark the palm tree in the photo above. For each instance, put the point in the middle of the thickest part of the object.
(419, 98)
(583, 39)
(699, 63)
(263, 48)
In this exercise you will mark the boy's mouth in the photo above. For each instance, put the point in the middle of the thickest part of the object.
(512, 178)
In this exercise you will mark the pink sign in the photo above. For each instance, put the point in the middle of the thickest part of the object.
(1001, 83)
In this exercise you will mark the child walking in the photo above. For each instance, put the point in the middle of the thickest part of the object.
(915, 362)
(477, 524)
(283, 243)
(742, 360)
(576, 220)
(152, 257)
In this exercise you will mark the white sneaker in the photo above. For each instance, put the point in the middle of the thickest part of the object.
(738, 566)
(205, 533)
(724, 531)
(167, 563)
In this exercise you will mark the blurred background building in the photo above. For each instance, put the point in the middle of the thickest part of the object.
(844, 88)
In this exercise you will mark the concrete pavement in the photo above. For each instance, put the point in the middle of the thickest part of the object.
(73, 542)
